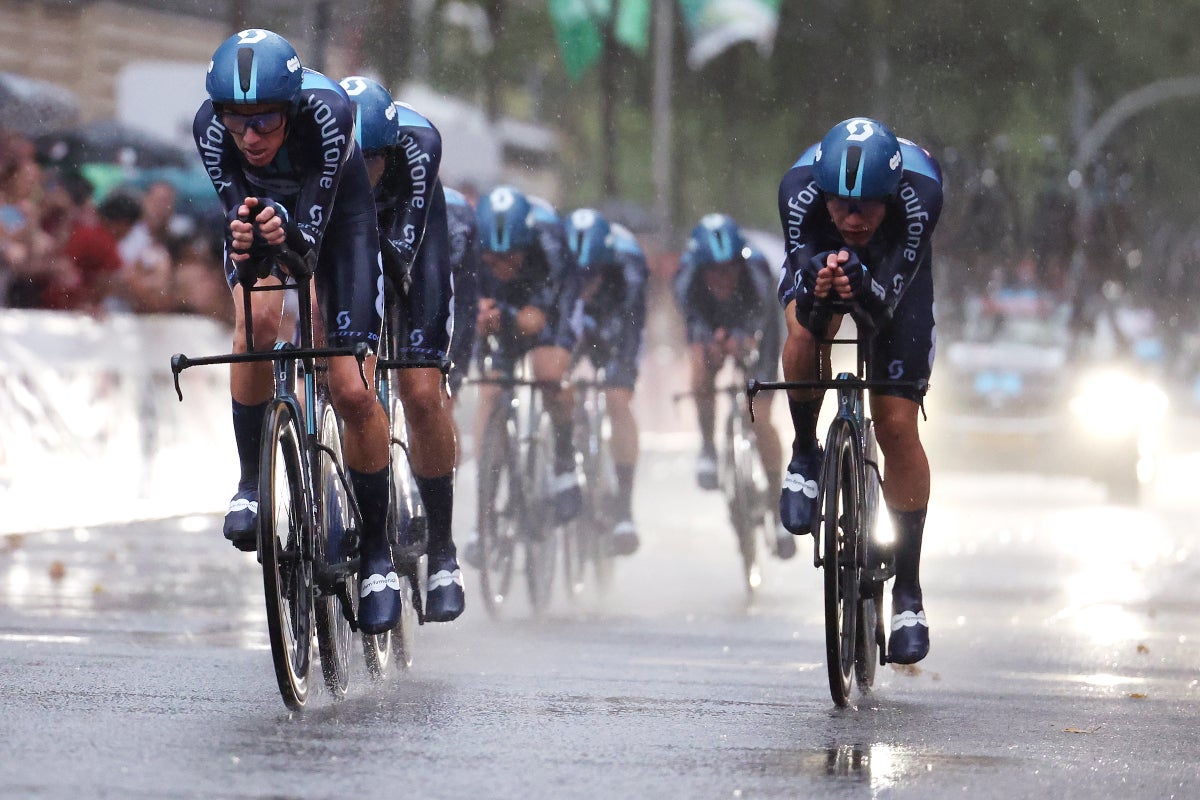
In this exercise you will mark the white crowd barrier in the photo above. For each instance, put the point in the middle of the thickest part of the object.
(91, 431)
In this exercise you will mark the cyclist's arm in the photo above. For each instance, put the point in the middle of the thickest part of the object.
(413, 178)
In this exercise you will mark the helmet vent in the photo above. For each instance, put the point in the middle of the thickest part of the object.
(853, 159)
(245, 59)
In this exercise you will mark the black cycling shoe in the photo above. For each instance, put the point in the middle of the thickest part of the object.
(798, 500)
(444, 599)
(379, 592)
(909, 642)
(624, 540)
(706, 469)
(568, 495)
(241, 520)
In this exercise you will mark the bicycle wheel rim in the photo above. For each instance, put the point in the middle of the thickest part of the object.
(334, 636)
(498, 507)
(287, 573)
(839, 493)
(541, 536)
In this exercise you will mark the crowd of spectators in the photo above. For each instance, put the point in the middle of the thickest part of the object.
(131, 250)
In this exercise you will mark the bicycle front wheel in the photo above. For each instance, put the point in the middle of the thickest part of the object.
(840, 530)
(284, 530)
(744, 499)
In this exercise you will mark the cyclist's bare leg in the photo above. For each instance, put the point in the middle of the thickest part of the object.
(770, 450)
(254, 383)
(251, 385)
(706, 360)
(624, 443)
(550, 364)
(906, 492)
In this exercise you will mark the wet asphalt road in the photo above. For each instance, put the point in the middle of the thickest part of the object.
(1065, 663)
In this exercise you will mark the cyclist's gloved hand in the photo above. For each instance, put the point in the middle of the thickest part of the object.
(857, 273)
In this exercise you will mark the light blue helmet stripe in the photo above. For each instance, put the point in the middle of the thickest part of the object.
(358, 125)
(252, 95)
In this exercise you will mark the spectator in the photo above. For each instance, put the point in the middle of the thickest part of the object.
(145, 284)
(25, 250)
(92, 248)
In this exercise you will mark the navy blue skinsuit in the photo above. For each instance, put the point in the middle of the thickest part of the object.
(415, 240)
(614, 317)
(548, 280)
(749, 312)
(318, 163)
(899, 303)
(465, 266)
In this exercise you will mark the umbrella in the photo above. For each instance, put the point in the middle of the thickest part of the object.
(32, 107)
(110, 142)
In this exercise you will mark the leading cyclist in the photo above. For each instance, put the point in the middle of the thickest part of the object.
(858, 212)
(724, 289)
(613, 273)
(278, 143)
(403, 151)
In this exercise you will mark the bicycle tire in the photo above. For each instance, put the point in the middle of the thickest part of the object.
(579, 535)
(284, 526)
(741, 497)
(334, 636)
(500, 507)
(539, 533)
(839, 499)
(604, 493)
(870, 632)
(404, 517)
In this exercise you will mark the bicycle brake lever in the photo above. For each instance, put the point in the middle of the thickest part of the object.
(179, 362)
(751, 390)
(361, 351)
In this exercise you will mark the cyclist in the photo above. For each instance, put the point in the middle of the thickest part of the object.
(277, 142)
(528, 293)
(724, 290)
(465, 266)
(613, 277)
(403, 151)
(858, 211)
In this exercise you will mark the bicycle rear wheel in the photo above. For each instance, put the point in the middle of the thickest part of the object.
(284, 528)
(742, 496)
(839, 503)
(409, 538)
(538, 531)
(501, 500)
(334, 636)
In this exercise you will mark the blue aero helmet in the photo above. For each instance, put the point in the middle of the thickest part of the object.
(503, 220)
(254, 67)
(716, 239)
(375, 126)
(859, 159)
(590, 237)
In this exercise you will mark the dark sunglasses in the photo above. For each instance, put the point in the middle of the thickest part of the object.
(856, 205)
(262, 124)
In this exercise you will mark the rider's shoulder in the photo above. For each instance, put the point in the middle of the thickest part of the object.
(541, 212)
(409, 117)
(918, 160)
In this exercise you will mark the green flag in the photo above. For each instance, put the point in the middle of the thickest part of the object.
(577, 28)
(633, 25)
(716, 25)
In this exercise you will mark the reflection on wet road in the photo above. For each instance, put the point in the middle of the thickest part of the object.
(1066, 661)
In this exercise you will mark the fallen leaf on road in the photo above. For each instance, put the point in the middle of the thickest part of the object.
(1137, 695)
(1082, 730)
(57, 570)
(1143, 649)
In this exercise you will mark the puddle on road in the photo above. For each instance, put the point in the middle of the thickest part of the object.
(880, 766)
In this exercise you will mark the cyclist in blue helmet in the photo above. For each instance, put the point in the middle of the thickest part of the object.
(858, 211)
(614, 277)
(403, 152)
(528, 293)
(724, 289)
(277, 143)
(465, 263)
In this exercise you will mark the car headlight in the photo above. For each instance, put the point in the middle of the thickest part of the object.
(1113, 403)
